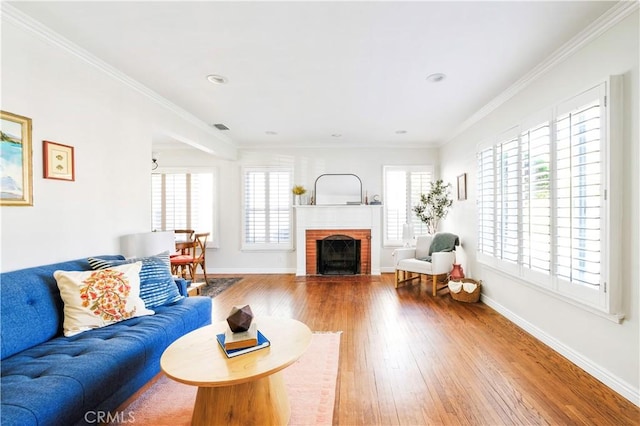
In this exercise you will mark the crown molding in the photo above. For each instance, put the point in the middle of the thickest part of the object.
(606, 21)
(19, 18)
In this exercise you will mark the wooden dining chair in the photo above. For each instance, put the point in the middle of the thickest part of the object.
(181, 259)
(184, 234)
(199, 253)
(192, 254)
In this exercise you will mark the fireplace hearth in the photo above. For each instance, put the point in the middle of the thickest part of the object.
(338, 255)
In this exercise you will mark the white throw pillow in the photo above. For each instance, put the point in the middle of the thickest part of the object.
(94, 299)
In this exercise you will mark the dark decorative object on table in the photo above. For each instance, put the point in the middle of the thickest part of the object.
(240, 318)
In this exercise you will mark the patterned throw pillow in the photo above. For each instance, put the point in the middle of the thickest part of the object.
(94, 299)
(157, 287)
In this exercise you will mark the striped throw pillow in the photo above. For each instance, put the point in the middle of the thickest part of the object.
(157, 287)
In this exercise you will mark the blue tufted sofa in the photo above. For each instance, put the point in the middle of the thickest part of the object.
(49, 379)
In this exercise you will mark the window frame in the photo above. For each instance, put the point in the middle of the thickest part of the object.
(214, 240)
(604, 299)
(268, 246)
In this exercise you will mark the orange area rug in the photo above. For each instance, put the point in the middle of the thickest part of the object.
(310, 382)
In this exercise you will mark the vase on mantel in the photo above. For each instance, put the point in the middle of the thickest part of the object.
(296, 200)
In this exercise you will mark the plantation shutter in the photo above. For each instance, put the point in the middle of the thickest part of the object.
(176, 207)
(507, 205)
(485, 201)
(403, 186)
(578, 183)
(201, 205)
(536, 198)
(255, 207)
(543, 212)
(279, 217)
(395, 207)
(267, 207)
(182, 201)
(157, 203)
(420, 183)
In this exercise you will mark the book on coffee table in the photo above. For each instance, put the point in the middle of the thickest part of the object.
(263, 342)
(241, 339)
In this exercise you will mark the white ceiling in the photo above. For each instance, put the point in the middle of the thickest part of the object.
(309, 70)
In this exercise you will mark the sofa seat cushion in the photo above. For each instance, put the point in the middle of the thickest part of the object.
(58, 381)
(415, 265)
(31, 306)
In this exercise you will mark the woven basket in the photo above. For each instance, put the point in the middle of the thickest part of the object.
(463, 296)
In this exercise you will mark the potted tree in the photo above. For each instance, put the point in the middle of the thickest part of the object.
(434, 205)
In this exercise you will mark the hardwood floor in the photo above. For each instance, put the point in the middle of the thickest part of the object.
(407, 358)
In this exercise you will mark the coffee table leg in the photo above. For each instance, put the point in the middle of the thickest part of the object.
(260, 402)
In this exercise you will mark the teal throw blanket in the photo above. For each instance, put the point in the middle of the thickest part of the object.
(443, 241)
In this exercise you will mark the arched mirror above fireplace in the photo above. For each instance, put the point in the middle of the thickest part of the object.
(337, 189)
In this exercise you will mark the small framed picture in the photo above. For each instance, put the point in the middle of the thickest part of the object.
(462, 187)
(58, 161)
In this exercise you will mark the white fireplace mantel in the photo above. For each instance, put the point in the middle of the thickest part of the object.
(338, 217)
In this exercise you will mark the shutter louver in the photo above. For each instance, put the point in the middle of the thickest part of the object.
(578, 183)
(485, 202)
(536, 201)
(507, 201)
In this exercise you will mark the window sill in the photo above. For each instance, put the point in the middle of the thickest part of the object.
(266, 249)
(613, 317)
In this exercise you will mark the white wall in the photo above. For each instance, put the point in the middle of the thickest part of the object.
(607, 350)
(111, 127)
(308, 164)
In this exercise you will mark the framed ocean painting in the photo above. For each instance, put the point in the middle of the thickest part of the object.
(16, 173)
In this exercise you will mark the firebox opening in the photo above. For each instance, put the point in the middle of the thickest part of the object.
(338, 255)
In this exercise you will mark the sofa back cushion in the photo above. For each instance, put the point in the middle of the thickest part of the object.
(157, 286)
(31, 307)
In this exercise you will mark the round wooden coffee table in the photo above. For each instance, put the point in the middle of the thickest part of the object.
(244, 390)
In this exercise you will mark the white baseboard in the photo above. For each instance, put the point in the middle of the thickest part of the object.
(251, 271)
(267, 271)
(605, 376)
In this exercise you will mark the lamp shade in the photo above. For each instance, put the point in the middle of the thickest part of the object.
(147, 243)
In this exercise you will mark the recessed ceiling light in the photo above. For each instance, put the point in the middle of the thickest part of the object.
(400, 132)
(436, 78)
(220, 126)
(271, 133)
(217, 79)
(336, 135)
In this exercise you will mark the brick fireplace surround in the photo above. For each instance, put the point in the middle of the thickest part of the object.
(362, 222)
(313, 235)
